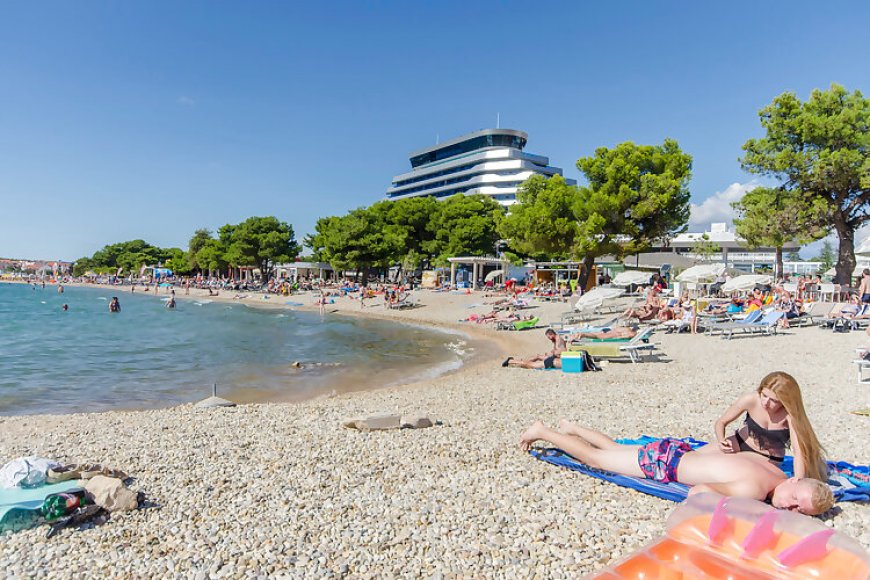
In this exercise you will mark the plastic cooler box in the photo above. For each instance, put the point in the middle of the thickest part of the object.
(572, 362)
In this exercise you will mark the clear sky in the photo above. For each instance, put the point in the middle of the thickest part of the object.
(124, 120)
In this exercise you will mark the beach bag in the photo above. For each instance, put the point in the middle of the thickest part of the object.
(589, 363)
(842, 325)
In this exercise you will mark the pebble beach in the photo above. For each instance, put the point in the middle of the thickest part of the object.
(282, 490)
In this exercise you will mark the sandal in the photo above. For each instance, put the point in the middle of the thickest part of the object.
(507, 361)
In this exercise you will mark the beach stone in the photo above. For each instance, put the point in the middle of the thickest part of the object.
(377, 422)
(416, 421)
(111, 493)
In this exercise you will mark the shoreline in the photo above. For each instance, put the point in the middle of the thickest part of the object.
(281, 489)
(486, 345)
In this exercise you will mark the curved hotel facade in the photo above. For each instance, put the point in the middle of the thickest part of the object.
(489, 162)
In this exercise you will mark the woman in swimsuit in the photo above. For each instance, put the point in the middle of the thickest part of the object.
(774, 419)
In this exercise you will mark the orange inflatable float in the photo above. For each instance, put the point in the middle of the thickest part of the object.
(710, 536)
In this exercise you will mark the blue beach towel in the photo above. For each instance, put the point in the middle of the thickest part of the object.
(848, 482)
(16, 502)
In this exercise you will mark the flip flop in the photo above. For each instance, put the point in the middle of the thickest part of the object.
(507, 361)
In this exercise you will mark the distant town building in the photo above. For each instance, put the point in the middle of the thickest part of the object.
(26, 267)
(733, 251)
(489, 162)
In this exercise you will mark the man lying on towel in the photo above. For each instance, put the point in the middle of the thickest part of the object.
(737, 474)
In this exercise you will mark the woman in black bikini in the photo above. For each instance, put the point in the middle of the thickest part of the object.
(774, 420)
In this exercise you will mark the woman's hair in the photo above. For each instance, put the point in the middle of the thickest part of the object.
(786, 389)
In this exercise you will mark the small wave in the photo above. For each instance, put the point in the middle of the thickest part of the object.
(43, 302)
(460, 348)
(280, 315)
(102, 298)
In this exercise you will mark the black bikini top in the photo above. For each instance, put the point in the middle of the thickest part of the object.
(767, 438)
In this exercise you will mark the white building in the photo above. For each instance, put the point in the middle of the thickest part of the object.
(489, 162)
(734, 252)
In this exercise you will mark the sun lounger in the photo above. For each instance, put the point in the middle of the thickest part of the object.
(518, 324)
(632, 349)
(863, 364)
(767, 325)
(751, 318)
(848, 482)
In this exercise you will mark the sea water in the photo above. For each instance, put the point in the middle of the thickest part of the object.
(148, 356)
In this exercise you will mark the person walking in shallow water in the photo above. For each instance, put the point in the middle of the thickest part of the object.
(114, 305)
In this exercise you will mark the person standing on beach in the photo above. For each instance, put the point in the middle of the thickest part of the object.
(864, 288)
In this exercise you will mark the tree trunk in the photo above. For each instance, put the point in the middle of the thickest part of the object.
(777, 267)
(586, 271)
(365, 276)
(846, 251)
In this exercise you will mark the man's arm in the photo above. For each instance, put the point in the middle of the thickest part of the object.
(739, 488)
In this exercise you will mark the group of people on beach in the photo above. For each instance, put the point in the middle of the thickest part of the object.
(746, 463)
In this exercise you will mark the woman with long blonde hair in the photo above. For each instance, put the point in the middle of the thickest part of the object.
(775, 419)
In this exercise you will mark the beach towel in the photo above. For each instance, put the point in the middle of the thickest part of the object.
(18, 504)
(848, 482)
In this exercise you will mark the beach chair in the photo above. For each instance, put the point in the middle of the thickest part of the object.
(767, 325)
(632, 349)
(518, 324)
(751, 318)
(404, 301)
(863, 364)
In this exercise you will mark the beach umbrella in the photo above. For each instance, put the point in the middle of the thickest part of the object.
(598, 295)
(864, 248)
(745, 282)
(701, 273)
(493, 275)
(630, 277)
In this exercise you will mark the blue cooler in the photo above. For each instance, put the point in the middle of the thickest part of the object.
(572, 362)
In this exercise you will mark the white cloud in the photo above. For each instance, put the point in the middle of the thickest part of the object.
(186, 101)
(717, 207)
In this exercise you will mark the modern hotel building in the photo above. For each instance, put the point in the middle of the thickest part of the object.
(489, 162)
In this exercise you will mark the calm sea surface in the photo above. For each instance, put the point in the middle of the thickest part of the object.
(147, 356)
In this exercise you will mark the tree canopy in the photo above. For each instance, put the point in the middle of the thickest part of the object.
(636, 195)
(544, 221)
(409, 232)
(257, 241)
(820, 148)
(773, 217)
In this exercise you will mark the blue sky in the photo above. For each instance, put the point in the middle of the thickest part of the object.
(124, 120)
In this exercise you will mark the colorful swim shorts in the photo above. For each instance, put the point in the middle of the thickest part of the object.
(659, 460)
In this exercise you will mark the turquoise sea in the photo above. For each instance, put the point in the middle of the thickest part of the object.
(148, 356)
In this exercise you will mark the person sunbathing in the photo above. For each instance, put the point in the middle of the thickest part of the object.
(627, 332)
(774, 419)
(737, 474)
(551, 359)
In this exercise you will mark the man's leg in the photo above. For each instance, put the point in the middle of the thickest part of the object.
(621, 459)
(526, 364)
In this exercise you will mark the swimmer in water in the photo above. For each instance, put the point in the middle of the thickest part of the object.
(114, 305)
(65, 307)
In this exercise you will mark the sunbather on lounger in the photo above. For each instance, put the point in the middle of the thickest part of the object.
(737, 474)
(627, 332)
(774, 419)
(551, 359)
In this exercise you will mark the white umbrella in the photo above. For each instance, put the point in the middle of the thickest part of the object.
(745, 282)
(597, 296)
(630, 277)
(701, 273)
(856, 273)
(864, 248)
(493, 275)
